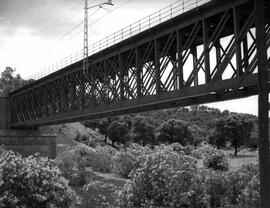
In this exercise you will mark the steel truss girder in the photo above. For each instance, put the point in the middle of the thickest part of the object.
(183, 60)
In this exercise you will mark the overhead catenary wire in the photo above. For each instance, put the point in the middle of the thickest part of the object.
(72, 30)
(92, 23)
(64, 17)
(59, 19)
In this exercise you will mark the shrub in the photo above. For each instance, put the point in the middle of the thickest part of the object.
(100, 160)
(98, 194)
(124, 163)
(127, 161)
(217, 189)
(32, 182)
(236, 188)
(73, 162)
(72, 170)
(166, 179)
(243, 186)
(216, 159)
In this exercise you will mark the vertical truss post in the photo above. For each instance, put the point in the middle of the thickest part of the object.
(157, 66)
(60, 107)
(206, 51)
(175, 72)
(138, 72)
(218, 55)
(179, 43)
(46, 103)
(82, 88)
(236, 19)
(245, 53)
(73, 94)
(263, 68)
(121, 70)
(195, 65)
(92, 86)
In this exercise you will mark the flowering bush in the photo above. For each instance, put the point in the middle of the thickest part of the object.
(73, 163)
(243, 188)
(215, 159)
(217, 188)
(236, 188)
(124, 163)
(165, 179)
(32, 182)
(127, 161)
(98, 194)
(72, 169)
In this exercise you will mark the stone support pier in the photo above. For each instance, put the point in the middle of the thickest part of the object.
(25, 142)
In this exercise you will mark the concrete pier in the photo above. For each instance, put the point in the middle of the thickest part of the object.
(28, 142)
(25, 142)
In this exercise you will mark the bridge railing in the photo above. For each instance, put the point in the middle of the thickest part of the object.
(169, 12)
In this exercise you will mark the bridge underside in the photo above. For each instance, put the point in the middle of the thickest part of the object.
(208, 54)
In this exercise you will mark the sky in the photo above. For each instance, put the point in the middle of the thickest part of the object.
(37, 33)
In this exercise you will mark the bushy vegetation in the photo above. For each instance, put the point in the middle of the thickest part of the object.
(235, 188)
(74, 162)
(129, 160)
(215, 159)
(165, 179)
(171, 177)
(32, 182)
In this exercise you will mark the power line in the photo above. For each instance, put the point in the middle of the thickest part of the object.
(95, 21)
(73, 29)
(59, 18)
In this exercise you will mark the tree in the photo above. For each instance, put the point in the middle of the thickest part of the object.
(101, 125)
(235, 128)
(217, 139)
(9, 80)
(175, 131)
(144, 131)
(118, 131)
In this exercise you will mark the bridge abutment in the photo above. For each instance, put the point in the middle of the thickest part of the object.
(25, 142)
(5, 112)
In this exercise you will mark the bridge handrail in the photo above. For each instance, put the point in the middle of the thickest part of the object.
(169, 12)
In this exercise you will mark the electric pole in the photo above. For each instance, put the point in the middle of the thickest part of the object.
(85, 34)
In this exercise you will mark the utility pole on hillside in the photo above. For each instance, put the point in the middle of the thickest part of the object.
(85, 34)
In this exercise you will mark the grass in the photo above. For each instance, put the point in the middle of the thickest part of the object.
(243, 157)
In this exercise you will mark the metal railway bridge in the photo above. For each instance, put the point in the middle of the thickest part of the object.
(215, 52)
(204, 55)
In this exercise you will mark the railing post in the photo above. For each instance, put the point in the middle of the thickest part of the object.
(183, 5)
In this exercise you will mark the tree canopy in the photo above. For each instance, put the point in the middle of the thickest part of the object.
(175, 131)
(234, 128)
